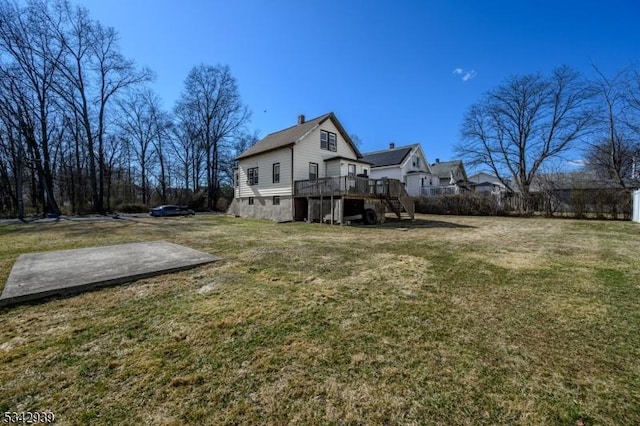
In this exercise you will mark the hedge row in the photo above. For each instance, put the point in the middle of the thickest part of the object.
(469, 204)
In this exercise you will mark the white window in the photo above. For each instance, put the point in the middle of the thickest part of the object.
(352, 170)
(328, 140)
(252, 176)
(313, 171)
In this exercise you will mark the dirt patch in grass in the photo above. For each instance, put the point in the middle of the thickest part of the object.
(475, 320)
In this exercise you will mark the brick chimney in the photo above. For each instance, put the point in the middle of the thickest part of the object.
(392, 145)
(301, 119)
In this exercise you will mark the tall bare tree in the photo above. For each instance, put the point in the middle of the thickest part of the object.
(32, 57)
(92, 74)
(523, 123)
(212, 99)
(616, 144)
(140, 129)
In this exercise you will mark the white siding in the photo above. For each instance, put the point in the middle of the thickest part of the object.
(636, 206)
(308, 151)
(390, 173)
(264, 162)
(340, 167)
(333, 167)
(415, 182)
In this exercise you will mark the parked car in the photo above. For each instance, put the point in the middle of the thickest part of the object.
(170, 210)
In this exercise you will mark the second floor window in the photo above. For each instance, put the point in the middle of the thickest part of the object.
(276, 172)
(252, 176)
(352, 170)
(328, 140)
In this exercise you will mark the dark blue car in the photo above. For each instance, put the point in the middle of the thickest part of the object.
(171, 210)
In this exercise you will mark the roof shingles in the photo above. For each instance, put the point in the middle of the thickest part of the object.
(291, 135)
(388, 157)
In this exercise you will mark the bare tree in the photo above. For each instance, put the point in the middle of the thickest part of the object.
(526, 121)
(633, 99)
(33, 56)
(184, 143)
(614, 150)
(211, 98)
(12, 155)
(92, 74)
(139, 127)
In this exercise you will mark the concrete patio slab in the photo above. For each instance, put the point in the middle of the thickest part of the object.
(39, 275)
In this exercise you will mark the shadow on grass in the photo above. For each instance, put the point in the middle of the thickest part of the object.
(410, 224)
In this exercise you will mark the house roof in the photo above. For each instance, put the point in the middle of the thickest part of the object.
(443, 168)
(388, 157)
(293, 134)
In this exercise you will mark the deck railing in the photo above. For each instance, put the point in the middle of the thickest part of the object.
(434, 191)
(387, 189)
(338, 185)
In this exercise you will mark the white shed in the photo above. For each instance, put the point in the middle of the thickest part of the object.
(635, 211)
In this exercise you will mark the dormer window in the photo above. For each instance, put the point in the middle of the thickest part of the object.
(328, 141)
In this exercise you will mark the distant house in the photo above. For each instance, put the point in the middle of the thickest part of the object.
(312, 171)
(487, 184)
(451, 177)
(580, 192)
(407, 164)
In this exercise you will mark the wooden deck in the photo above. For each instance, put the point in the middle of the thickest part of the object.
(339, 186)
(390, 190)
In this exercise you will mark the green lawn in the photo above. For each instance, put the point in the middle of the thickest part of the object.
(447, 320)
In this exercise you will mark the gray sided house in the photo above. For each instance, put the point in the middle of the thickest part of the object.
(311, 171)
(581, 192)
(452, 177)
(486, 183)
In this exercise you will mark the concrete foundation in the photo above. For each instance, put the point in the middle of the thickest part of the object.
(263, 208)
(40, 275)
(326, 210)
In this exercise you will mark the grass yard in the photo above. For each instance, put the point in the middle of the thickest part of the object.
(454, 320)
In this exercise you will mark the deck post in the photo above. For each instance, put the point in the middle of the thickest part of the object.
(332, 210)
(321, 203)
(308, 210)
(341, 204)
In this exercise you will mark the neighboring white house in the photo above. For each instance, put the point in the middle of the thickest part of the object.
(309, 151)
(487, 184)
(635, 212)
(408, 164)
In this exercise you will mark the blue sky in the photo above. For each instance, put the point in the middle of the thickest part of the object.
(392, 71)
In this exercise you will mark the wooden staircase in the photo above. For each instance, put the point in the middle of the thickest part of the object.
(398, 200)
